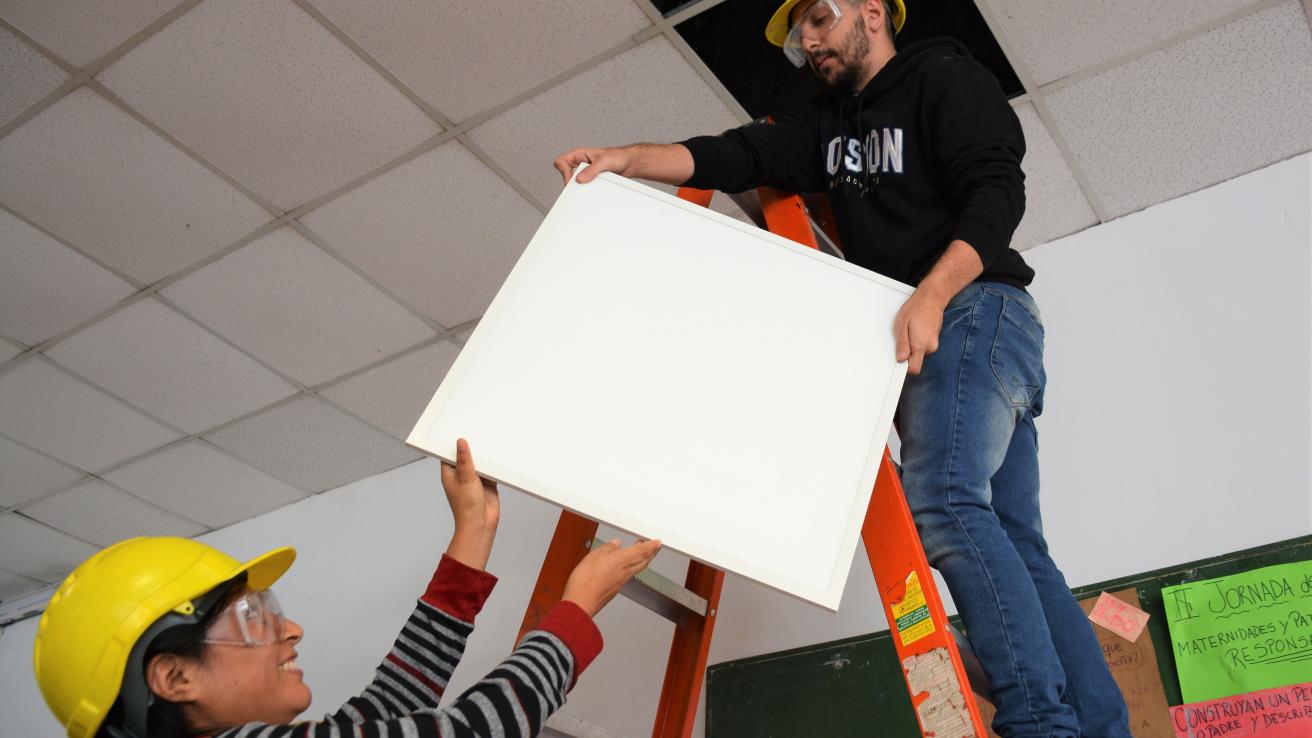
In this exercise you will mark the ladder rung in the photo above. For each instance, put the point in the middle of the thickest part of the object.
(661, 595)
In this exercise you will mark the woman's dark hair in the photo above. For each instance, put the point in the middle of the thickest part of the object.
(188, 641)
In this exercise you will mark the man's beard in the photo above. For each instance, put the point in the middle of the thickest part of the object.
(850, 59)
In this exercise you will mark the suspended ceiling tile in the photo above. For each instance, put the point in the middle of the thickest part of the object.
(102, 514)
(313, 445)
(1057, 39)
(48, 409)
(158, 360)
(488, 52)
(26, 474)
(85, 171)
(267, 94)
(392, 396)
(1055, 205)
(288, 302)
(25, 76)
(47, 288)
(81, 32)
(1216, 106)
(441, 232)
(649, 93)
(13, 585)
(202, 483)
(36, 551)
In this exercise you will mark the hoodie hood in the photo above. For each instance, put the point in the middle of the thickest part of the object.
(909, 59)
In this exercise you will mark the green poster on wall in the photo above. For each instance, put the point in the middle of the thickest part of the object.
(1243, 632)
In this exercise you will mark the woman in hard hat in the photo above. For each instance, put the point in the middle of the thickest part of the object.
(166, 637)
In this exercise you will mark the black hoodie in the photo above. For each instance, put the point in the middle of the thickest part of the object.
(928, 152)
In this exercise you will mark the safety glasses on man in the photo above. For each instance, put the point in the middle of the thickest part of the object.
(813, 23)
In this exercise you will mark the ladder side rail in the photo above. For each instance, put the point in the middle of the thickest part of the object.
(685, 672)
(926, 647)
(569, 544)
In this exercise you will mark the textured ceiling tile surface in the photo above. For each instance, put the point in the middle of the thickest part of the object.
(47, 288)
(313, 445)
(1057, 39)
(158, 360)
(25, 76)
(8, 351)
(90, 174)
(102, 514)
(393, 396)
(288, 302)
(35, 551)
(490, 51)
(25, 474)
(442, 232)
(204, 484)
(1195, 114)
(47, 409)
(649, 93)
(1054, 203)
(81, 32)
(268, 95)
(13, 585)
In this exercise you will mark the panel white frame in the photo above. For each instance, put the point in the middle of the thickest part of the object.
(771, 440)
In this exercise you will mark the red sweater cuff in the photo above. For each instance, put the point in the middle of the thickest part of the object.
(568, 622)
(459, 590)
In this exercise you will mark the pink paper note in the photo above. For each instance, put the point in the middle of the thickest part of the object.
(1121, 618)
(1283, 712)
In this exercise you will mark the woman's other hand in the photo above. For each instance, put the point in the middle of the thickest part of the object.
(604, 571)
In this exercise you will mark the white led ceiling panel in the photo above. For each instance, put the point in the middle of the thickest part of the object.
(681, 375)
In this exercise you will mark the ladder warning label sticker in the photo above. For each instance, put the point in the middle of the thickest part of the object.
(942, 708)
(911, 615)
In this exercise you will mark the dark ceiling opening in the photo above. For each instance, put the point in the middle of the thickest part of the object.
(730, 39)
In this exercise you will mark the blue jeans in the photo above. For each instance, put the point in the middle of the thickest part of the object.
(971, 472)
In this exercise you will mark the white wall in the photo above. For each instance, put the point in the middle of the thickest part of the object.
(1178, 426)
(1178, 344)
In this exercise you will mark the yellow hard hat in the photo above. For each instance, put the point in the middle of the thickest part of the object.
(777, 29)
(101, 610)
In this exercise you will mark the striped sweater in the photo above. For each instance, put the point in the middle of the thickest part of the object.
(402, 700)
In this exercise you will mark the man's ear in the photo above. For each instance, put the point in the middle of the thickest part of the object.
(874, 13)
(172, 677)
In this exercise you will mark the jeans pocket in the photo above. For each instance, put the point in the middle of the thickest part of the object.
(960, 312)
(1017, 355)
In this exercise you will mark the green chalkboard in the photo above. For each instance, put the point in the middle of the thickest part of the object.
(854, 688)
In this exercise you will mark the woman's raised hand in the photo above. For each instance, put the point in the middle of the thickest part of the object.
(476, 507)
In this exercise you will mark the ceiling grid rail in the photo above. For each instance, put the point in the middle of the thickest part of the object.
(85, 76)
(1132, 56)
(1021, 69)
(452, 130)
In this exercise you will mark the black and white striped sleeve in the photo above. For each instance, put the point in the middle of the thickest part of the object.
(513, 700)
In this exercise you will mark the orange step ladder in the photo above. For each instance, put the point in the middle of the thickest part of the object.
(932, 663)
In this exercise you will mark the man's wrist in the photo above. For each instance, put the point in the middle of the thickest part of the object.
(939, 294)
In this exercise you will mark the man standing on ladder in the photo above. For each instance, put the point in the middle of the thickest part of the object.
(920, 155)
